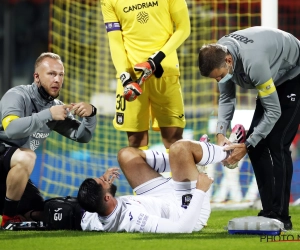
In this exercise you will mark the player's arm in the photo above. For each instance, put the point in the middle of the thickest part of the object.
(226, 108)
(15, 125)
(118, 54)
(260, 74)
(131, 89)
(91, 222)
(115, 38)
(117, 49)
(180, 16)
(188, 220)
(80, 131)
(272, 111)
(113, 29)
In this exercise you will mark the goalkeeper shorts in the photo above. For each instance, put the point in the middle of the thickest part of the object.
(160, 104)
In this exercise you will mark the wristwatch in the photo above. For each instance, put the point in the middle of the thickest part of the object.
(248, 146)
(94, 111)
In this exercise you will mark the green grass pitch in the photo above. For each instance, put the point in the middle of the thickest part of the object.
(214, 236)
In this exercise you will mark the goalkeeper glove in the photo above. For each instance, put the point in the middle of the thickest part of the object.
(152, 66)
(131, 89)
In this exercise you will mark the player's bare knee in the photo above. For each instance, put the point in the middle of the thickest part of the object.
(126, 154)
(26, 160)
(122, 155)
(179, 146)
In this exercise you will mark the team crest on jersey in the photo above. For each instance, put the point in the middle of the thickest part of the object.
(130, 216)
(142, 17)
(120, 118)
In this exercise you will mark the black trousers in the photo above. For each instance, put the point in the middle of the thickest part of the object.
(271, 158)
(31, 198)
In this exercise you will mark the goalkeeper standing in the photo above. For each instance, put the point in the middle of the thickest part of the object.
(267, 60)
(143, 47)
(28, 114)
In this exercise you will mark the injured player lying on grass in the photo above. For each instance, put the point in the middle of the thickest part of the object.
(161, 205)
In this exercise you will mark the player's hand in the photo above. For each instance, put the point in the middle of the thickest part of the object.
(131, 89)
(222, 140)
(204, 182)
(147, 69)
(237, 152)
(82, 109)
(150, 67)
(60, 112)
(111, 174)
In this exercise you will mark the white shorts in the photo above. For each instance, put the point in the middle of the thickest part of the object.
(162, 187)
(157, 187)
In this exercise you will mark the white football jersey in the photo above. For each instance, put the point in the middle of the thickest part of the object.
(144, 214)
(134, 214)
(157, 207)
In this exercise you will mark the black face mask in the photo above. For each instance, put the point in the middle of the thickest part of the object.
(44, 93)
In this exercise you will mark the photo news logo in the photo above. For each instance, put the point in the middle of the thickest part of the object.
(279, 238)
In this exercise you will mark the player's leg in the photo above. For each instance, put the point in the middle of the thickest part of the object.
(167, 108)
(170, 135)
(18, 165)
(138, 139)
(279, 142)
(32, 203)
(134, 166)
(3, 175)
(262, 164)
(133, 117)
(142, 168)
(185, 154)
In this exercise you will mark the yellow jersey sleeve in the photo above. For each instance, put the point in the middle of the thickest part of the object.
(116, 45)
(180, 16)
(107, 8)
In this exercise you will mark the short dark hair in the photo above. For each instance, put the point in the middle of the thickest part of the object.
(90, 196)
(211, 56)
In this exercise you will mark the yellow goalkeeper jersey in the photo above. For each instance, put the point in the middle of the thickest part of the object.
(145, 27)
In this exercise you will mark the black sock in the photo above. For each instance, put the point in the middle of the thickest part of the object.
(10, 207)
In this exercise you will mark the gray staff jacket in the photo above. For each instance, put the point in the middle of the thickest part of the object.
(35, 121)
(262, 58)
